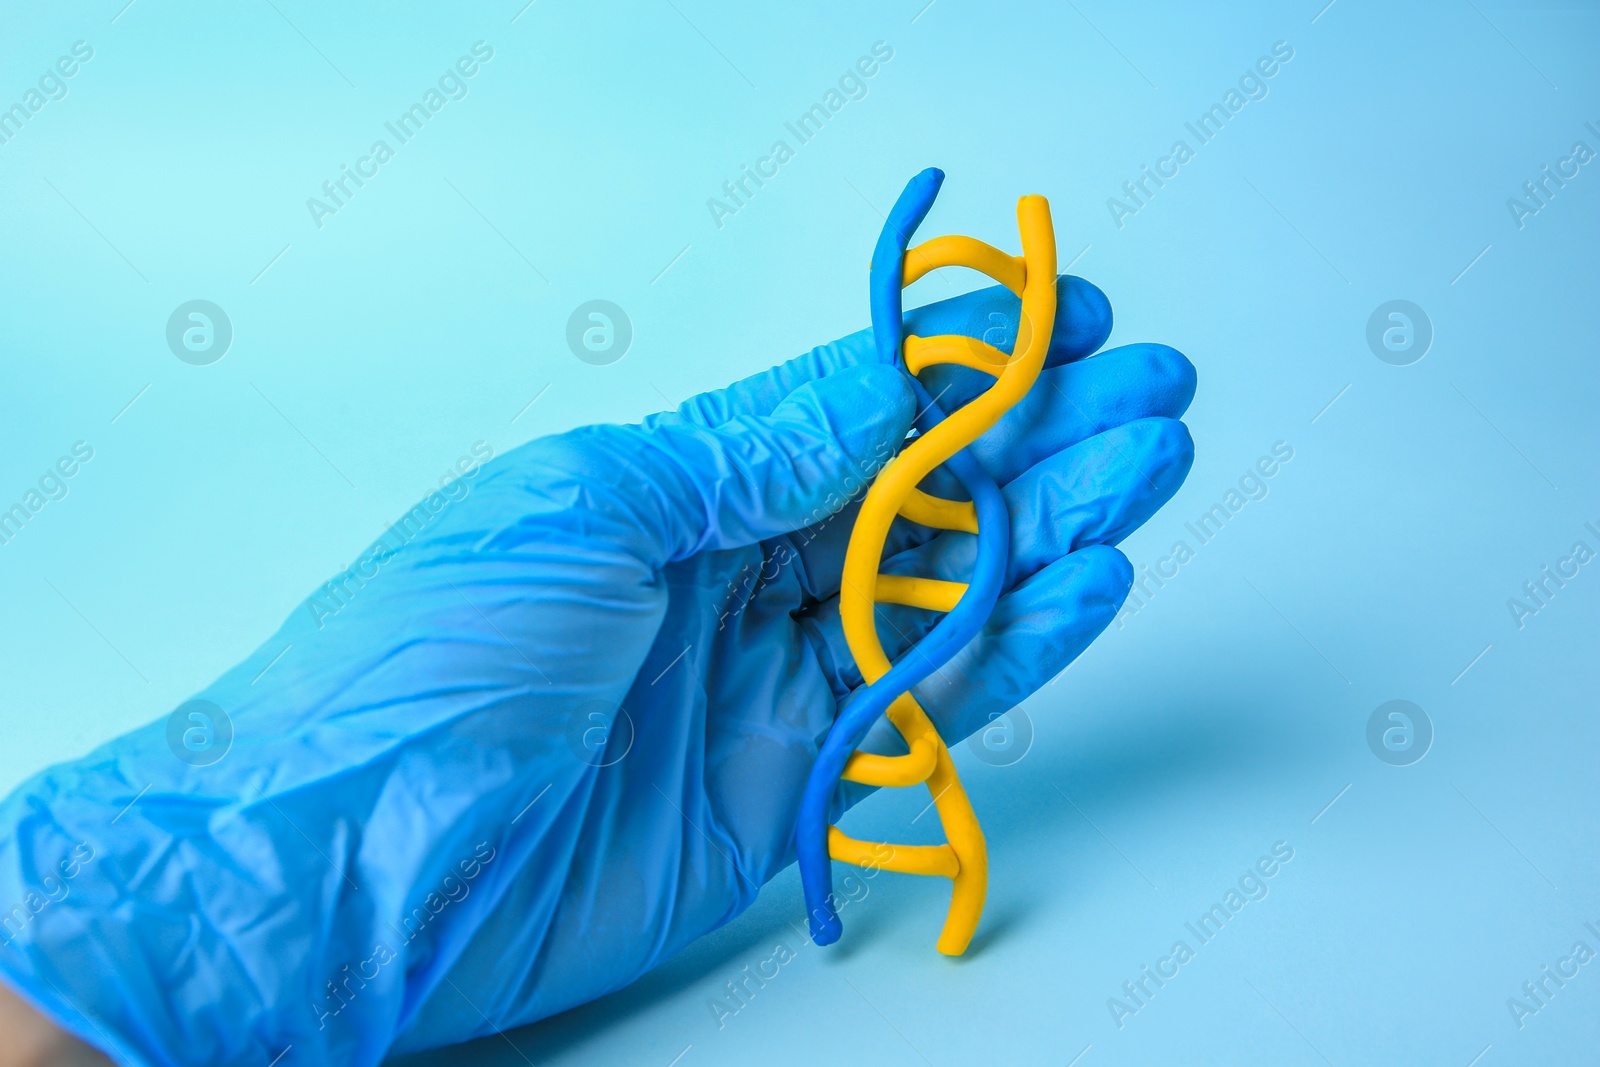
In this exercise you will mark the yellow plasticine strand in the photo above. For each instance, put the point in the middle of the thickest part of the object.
(1033, 277)
(940, 513)
(954, 250)
(903, 474)
(924, 352)
(928, 593)
(904, 714)
(898, 771)
(902, 859)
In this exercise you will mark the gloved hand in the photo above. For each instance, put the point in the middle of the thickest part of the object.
(562, 730)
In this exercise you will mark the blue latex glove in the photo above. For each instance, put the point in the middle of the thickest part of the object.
(435, 822)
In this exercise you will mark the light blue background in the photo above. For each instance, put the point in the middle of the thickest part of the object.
(1222, 718)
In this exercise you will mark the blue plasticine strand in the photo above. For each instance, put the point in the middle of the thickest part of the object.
(955, 629)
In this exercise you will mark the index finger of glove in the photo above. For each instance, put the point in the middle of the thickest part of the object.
(1083, 322)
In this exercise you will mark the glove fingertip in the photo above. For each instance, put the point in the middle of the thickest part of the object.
(1104, 576)
(1083, 320)
(867, 408)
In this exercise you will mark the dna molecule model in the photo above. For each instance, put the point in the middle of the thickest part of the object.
(941, 439)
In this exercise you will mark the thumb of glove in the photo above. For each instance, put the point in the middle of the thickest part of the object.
(760, 476)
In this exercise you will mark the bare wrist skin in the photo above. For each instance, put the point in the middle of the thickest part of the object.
(31, 1040)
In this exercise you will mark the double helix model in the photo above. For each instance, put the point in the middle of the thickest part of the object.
(940, 439)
